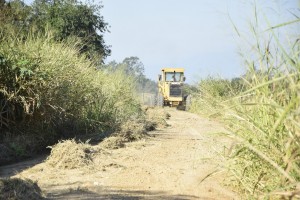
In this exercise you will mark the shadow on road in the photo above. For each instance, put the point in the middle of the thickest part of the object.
(118, 194)
(7, 171)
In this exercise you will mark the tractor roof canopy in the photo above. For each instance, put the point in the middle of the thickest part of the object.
(172, 69)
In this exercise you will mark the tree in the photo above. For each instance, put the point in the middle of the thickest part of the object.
(72, 18)
(15, 15)
(64, 18)
(132, 66)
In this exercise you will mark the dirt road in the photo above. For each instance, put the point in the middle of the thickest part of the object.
(182, 161)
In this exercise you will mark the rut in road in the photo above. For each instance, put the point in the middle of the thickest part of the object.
(182, 161)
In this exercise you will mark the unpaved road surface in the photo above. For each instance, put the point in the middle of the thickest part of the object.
(182, 161)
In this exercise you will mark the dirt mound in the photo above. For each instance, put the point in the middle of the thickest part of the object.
(69, 154)
(18, 189)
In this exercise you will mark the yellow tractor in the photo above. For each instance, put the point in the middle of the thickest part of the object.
(170, 86)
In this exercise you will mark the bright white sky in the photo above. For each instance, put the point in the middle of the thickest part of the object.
(193, 34)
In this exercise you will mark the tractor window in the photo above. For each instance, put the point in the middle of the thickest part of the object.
(174, 76)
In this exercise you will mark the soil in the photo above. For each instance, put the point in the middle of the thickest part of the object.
(183, 161)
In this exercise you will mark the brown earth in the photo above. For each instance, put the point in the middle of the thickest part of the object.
(183, 161)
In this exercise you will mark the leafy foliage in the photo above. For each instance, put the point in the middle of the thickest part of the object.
(211, 91)
(64, 18)
(50, 86)
(133, 67)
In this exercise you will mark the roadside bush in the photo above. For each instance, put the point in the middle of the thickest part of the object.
(49, 91)
(211, 91)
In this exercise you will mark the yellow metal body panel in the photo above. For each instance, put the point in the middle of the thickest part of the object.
(164, 86)
(172, 69)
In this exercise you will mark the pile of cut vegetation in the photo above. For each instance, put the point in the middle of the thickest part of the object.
(69, 154)
(136, 129)
(156, 118)
(18, 189)
(128, 132)
(133, 130)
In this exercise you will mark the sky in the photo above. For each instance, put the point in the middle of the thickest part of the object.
(197, 35)
(193, 34)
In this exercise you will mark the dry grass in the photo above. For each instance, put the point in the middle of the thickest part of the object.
(264, 117)
(113, 142)
(18, 189)
(69, 154)
(69, 158)
(49, 91)
(156, 117)
(137, 129)
(128, 132)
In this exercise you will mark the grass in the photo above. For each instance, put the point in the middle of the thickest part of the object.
(48, 90)
(263, 115)
(19, 189)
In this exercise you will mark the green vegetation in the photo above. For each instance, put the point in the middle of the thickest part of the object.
(211, 91)
(48, 85)
(52, 83)
(261, 113)
(134, 68)
(64, 18)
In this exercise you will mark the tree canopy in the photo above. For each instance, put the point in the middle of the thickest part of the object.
(64, 18)
(133, 66)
